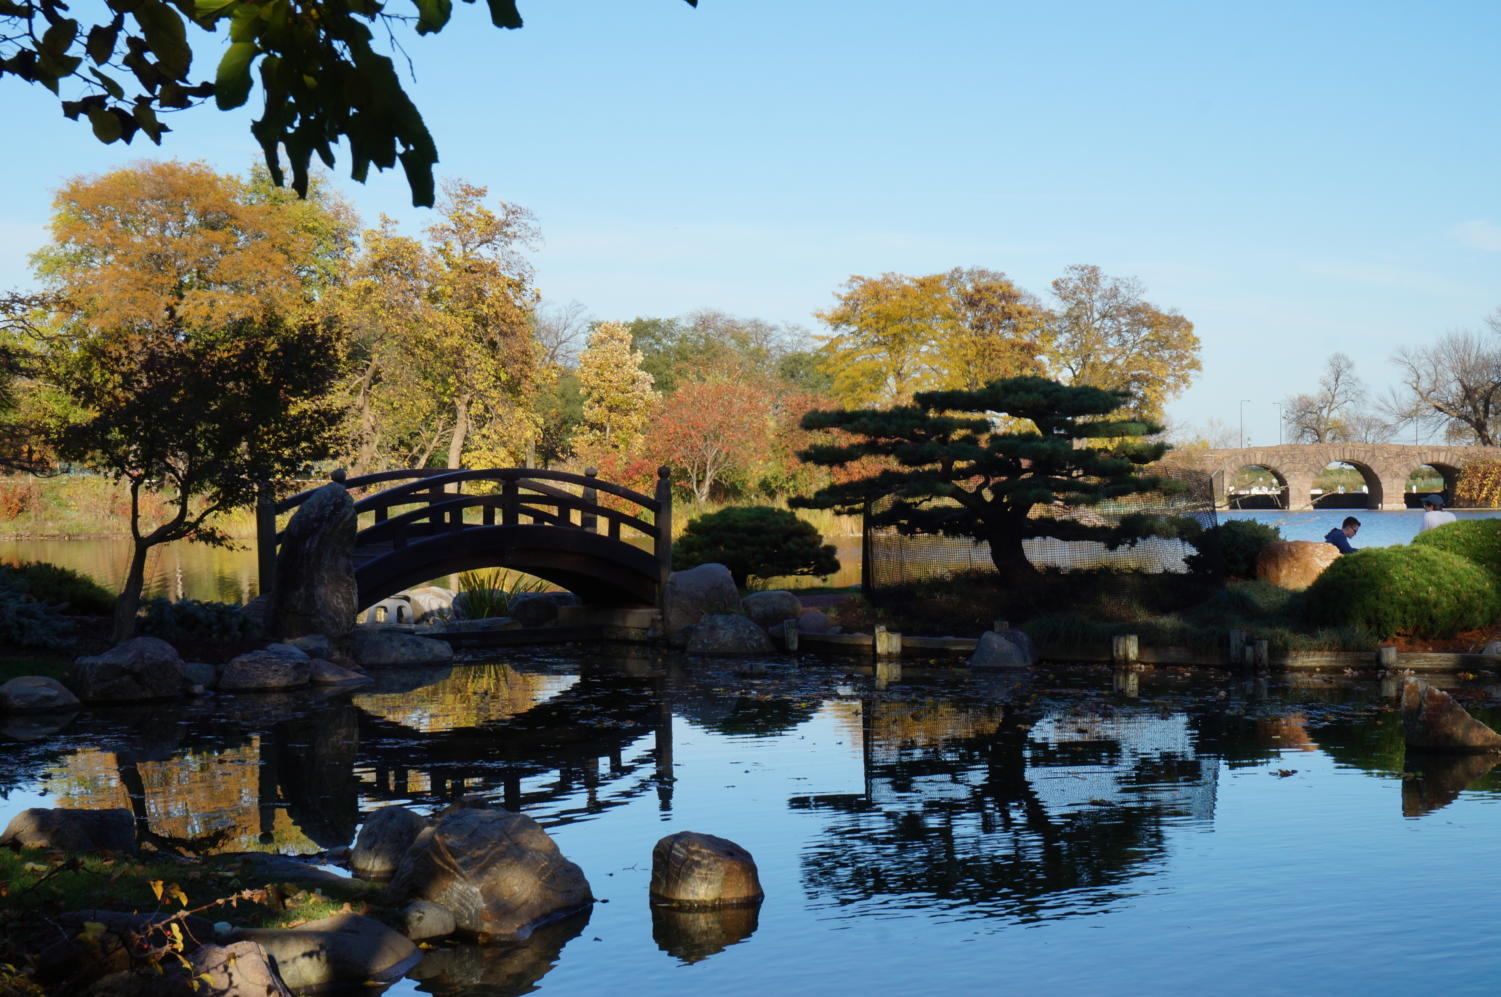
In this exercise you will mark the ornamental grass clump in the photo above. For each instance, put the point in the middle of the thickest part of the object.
(1477, 540)
(1415, 590)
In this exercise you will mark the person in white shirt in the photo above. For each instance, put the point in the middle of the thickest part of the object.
(1434, 515)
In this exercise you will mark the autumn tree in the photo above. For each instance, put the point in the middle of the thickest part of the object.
(978, 463)
(706, 430)
(483, 298)
(190, 333)
(710, 345)
(617, 394)
(1453, 384)
(1105, 335)
(321, 78)
(895, 335)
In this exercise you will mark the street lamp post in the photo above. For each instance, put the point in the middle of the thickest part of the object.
(1243, 403)
(1279, 422)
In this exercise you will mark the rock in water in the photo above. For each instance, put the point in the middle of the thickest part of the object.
(35, 694)
(498, 872)
(344, 950)
(263, 671)
(689, 869)
(692, 593)
(727, 633)
(383, 840)
(999, 650)
(1294, 564)
(315, 588)
(76, 831)
(1433, 721)
(142, 668)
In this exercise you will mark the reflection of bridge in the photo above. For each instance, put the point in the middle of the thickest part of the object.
(1385, 467)
(551, 524)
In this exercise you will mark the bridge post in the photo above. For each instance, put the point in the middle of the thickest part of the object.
(663, 546)
(591, 497)
(265, 535)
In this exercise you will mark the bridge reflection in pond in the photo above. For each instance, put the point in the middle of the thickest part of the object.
(943, 810)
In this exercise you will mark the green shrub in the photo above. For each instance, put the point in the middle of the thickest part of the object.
(194, 620)
(1416, 590)
(755, 540)
(26, 622)
(1239, 541)
(1477, 540)
(75, 592)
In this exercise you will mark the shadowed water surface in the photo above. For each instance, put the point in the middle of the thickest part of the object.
(945, 834)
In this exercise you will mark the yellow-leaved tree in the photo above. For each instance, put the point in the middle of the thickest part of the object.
(618, 395)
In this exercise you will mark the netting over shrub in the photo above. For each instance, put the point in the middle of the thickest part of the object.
(891, 559)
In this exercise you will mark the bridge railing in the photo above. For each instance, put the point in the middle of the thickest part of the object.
(430, 501)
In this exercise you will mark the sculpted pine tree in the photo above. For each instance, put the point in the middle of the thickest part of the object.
(190, 339)
(618, 395)
(978, 463)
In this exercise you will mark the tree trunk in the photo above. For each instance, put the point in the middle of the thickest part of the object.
(129, 602)
(1007, 555)
(460, 431)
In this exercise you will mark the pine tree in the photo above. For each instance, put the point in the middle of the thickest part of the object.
(978, 463)
(618, 395)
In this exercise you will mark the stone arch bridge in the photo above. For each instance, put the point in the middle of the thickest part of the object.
(1385, 467)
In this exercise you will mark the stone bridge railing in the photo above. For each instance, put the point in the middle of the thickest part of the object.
(1385, 467)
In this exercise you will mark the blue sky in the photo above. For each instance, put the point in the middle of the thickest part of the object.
(1295, 178)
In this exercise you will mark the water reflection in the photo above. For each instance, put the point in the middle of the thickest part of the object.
(981, 798)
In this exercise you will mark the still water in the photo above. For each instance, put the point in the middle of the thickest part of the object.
(946, 834)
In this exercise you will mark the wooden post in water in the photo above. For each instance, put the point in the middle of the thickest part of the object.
(887, 644)
(1124, 649)
(1237, 648)
(1386, 656)
(1261, 655)
(789, 635)
(663, 524)
(265, 535)
(1000, 626)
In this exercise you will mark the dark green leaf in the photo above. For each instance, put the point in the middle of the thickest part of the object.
(101, 42)
(503, 14)
(433, 15)
(107, 125)
(232, 81)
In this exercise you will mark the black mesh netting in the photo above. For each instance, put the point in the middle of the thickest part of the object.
(891, 559)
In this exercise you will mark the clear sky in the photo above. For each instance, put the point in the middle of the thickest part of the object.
(1295, 178)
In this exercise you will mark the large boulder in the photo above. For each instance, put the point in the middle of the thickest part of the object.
(75, 831)
(690, 869)
(1294, 564)
(240, 970)
(393, 649)
(498, 872)
(315, 590)
(727, 633)
(336, 952)
(536, 609)
(1433, 721)
(322, 672)
(35, 694)
(695, 592)
(264, 671)
(814, 621)
(772, 607)
(384, 839)
(428, 602)
(142, 668)
(999, 650)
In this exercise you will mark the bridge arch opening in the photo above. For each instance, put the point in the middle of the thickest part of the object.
(1256, 486)
(1346, 485)
(1430, 479)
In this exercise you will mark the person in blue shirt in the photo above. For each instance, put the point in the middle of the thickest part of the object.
(1342, 535)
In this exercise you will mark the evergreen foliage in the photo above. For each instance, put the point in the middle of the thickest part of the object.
(755, 540)
(55, 586)
(978, 463)
(1477, 540)
(1418, 590)
(26, 622)
(1239, 542)
(191, 619)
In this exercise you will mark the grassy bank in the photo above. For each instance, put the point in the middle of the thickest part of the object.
(87, 505)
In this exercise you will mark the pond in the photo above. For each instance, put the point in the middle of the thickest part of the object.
(1075, 832)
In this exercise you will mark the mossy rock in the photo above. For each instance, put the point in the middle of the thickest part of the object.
(1418, 590)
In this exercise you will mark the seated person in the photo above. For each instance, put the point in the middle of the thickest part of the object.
(1342, 535)
(1434, 515)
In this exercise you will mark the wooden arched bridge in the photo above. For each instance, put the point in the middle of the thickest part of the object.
(608, 544)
